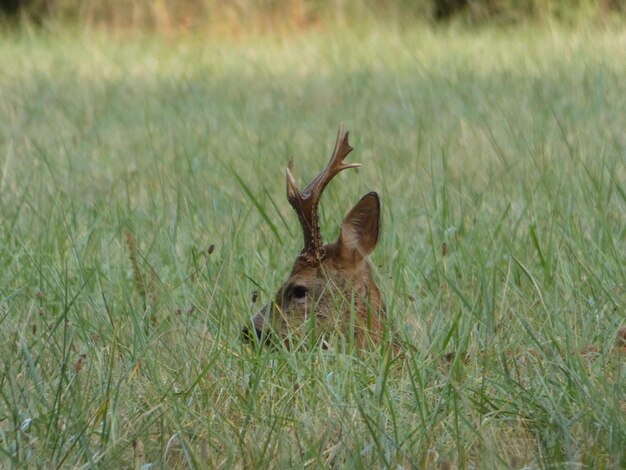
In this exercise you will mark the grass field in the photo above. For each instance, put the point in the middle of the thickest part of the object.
(509, 146)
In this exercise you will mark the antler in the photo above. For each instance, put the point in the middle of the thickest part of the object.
(305, 202)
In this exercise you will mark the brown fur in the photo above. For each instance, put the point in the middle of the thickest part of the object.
(340, 290)
(331, 287)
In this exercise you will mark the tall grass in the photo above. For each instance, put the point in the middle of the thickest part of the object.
(123, 162)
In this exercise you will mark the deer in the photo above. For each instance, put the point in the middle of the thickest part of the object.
(331, 287)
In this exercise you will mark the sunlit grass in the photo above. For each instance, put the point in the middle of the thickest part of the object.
(507, 146)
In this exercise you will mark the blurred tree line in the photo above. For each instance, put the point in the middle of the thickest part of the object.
(190, 14)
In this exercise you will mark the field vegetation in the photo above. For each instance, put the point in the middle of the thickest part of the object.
(244, 15)
(142, 203)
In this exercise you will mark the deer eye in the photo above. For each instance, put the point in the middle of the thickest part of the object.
(299, 292)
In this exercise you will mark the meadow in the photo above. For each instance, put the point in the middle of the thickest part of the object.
(142, 202)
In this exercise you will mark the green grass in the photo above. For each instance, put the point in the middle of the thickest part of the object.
(509, 146)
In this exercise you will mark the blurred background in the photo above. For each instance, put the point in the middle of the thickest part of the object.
(220, 16)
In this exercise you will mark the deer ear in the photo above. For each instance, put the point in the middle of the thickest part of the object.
(360, 229)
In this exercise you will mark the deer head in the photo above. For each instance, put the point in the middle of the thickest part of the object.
(330, 288)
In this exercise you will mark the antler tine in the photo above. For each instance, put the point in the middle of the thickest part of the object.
(335, 164)
(293, 193)
(305, 202)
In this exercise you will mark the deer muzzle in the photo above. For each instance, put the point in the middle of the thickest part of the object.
(255, 332)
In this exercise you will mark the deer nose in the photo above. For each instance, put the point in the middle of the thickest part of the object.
(247, 334)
